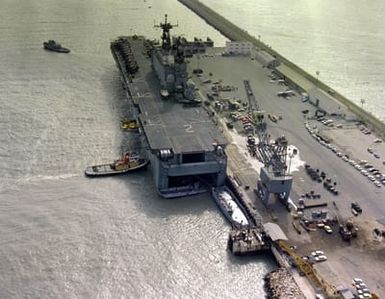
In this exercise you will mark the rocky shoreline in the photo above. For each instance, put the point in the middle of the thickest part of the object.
(280, 284)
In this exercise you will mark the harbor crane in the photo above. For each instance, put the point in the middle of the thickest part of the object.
(272, 153)
(307, 269)
(255, 113)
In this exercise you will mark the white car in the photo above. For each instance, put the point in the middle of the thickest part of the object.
(357, 281)
(328, 229)
(361, 285)
(319, 252)
(322, 258)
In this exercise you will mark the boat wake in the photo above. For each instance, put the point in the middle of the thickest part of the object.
(38, 178)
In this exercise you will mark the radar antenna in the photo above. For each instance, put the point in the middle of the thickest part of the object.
(166, 27)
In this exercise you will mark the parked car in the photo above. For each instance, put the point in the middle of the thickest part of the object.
(322, 258)
(357, 281)
(355, 206)
(328, 229)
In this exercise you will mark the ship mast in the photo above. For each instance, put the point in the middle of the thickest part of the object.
(166, 27)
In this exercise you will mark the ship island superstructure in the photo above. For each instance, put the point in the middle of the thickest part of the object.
(185, 147)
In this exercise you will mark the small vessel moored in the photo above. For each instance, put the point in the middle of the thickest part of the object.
(130, 161)
(230, 207)
(51, 45)
(130, 125)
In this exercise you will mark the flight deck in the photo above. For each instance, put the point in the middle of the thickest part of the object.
(169, 125)
(185, 147)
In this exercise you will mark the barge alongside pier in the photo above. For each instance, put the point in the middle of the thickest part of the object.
(231, 208)
(247, 241)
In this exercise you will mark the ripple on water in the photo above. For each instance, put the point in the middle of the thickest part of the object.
(63, 235)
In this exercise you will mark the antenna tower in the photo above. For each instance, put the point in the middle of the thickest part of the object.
(166, 27)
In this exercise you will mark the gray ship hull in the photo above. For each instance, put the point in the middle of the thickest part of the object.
(184, 146)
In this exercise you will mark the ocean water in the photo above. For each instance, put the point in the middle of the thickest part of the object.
(63, 235)
(342, 40)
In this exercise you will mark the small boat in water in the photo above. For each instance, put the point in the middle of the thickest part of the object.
(130, 125)
(230, 207)
(51, 45)
(130, 161)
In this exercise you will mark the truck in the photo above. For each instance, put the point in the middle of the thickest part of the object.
(345, 233)
(356, 208)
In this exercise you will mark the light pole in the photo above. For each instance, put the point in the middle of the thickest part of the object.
(317, 73)
(198, 58)
(362, 103)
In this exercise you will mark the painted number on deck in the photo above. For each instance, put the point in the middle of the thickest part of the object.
(188, 128)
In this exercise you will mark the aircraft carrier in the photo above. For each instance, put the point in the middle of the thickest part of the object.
(186, 149)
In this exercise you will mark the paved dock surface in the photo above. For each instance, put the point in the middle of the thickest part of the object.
(352, 185)
(235, 33)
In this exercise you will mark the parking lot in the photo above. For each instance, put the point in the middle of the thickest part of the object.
(366, 155)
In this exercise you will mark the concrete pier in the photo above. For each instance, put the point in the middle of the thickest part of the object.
(304, 80)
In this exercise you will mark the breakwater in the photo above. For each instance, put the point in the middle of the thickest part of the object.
(281, 284)
(234, 33)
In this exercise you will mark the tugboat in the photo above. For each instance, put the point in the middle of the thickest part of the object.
(130, 161)
(51, 45)
(230, 207)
